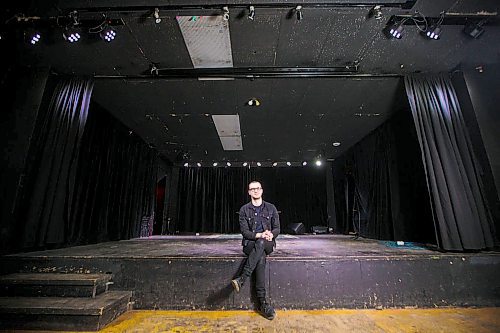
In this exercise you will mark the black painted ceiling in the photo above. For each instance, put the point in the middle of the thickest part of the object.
(298, 118)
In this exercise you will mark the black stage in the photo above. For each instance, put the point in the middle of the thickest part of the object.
(305, 271)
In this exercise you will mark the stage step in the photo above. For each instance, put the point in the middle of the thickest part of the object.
(63, 313)
(54, 284)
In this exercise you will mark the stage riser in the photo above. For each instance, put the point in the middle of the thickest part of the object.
(51, 291)
(193, 283)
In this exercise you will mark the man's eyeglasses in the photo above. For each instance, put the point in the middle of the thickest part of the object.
(255, 189)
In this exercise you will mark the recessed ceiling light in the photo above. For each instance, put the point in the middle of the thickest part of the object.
(336, 144)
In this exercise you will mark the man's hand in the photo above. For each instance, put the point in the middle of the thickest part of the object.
(267, 235)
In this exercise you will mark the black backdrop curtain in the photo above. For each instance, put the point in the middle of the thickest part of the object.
(209, 198)
(53, 156)
(462, 219)
(116, 182)
(379, 186)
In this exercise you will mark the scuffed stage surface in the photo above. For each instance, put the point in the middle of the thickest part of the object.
(229, 246)
(305, 272)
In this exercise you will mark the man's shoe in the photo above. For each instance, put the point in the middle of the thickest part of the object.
(237, 284)
(267, 311)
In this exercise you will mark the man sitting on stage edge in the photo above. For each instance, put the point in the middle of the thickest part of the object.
(260, 225)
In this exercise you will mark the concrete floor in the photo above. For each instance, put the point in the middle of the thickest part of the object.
(455, 320)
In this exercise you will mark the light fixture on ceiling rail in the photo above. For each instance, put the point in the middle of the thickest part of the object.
(394, 28)
(298, 10)
(72, 32)
(376, 12)
(104, 29)
(433, 30)
(156, 15)
(225, 13)
(251, 13)
(474, 29)
(32, 36)
(108, 34)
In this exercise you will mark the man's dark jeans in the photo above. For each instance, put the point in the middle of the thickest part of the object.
(257, 252)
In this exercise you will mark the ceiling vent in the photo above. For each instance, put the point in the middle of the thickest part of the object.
(207, 40)
(228, 129)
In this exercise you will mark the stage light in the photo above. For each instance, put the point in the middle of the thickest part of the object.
(198, 164)
(288, 163)
(72, 35)
(33, 37)
(108, 34)
(433, 32)
(228, 163)
(376, 12)
(474, 29)
(215, 164)
(304, 163)
(225, 13)
(258, 164)
(251, 13)
(394, 30)
(186, 164)
(157, 15)
(318, 163)
(298, 9)
(275, 164)
(245, 164)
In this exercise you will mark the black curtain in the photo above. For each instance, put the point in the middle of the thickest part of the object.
(116, 175)
(379, 186)
(209, 198)
(51, 170)
(462, 219)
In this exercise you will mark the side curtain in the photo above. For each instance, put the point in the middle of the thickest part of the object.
(51, 172)
(116, 180)
(379, 186)
(461, 217)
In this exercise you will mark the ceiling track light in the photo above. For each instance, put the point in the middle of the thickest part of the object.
(108, 34)
(376, 12)
(225, 13)
(474, 29)
(298, 10)
(72, 35)
(394, 30)
(251, 13)
(32, 36)
(433, 32)
(156, 15)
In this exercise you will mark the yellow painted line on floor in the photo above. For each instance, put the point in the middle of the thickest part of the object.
(453, 320)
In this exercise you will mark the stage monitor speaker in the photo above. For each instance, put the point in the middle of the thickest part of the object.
(296, 229)
(319, 229)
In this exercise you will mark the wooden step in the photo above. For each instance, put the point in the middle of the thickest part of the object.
(63, 313)
(54, 284)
